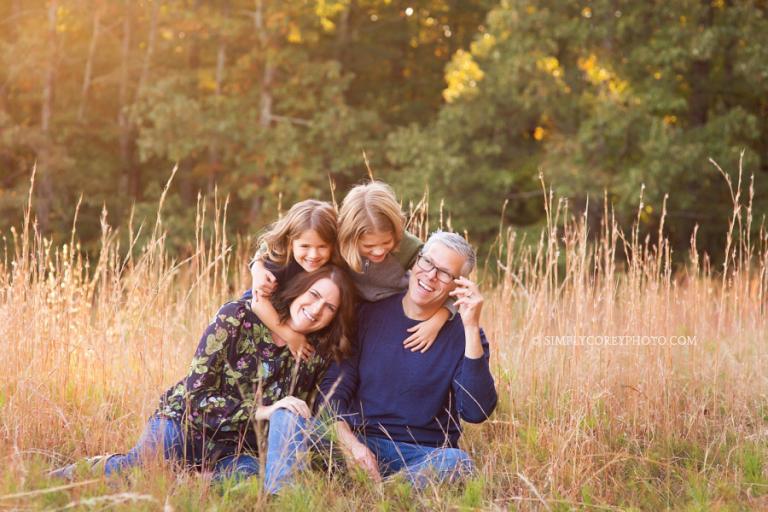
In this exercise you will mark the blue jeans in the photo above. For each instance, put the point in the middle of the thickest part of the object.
(419, 464)
(165, 436)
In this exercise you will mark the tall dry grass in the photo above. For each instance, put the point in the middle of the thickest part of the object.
(90, 345)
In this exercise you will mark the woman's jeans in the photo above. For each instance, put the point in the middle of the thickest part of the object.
(288, 442)
(163, 436)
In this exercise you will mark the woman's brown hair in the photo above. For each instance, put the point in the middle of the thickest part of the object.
(336, 338)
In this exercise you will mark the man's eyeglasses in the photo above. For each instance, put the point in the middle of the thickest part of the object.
(427, 265)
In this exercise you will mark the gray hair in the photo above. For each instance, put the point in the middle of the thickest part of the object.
(457, 244)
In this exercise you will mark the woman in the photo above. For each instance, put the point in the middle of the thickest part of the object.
(241, 374)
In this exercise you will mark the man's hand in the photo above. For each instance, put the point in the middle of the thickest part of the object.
(362, 457)
(356, 453)
(469, 301)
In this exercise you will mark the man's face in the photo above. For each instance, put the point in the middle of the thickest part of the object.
(428, 288)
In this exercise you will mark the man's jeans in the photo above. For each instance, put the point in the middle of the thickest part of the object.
(166, 435)
(420, 465)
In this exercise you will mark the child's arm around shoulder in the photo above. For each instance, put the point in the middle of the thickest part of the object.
(409, 248)
(424, 334)
(264, 284)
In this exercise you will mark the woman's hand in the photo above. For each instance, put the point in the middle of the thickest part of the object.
(291, 403)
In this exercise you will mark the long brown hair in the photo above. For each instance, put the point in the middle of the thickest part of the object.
(336, 338)
(319, 216)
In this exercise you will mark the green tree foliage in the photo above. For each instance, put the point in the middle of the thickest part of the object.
(260, 100)
(600, 95)
(242, 94)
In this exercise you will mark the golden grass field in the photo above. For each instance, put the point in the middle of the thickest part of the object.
(90, 344)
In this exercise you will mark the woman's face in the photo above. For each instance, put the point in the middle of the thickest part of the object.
(376, 245)
(314, 309)
(310, 251)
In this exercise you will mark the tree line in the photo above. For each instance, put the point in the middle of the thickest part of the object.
(269, 102)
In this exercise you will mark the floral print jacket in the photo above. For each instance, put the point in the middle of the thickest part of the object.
(236, 367)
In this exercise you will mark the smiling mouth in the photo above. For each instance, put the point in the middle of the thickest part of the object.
(308, 315)
(424, 287)
(312, 262)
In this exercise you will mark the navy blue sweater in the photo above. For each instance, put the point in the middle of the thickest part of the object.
(386, 390)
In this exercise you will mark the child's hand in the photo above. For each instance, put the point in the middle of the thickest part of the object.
(422, 337)
(264, 282)
(299, 346)
(425, 333)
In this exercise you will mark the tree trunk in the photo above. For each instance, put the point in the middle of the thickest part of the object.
(88, 74)
(133, 171)
(15, 14)
(151, 42)
(699, 100)
(265, 103)
(45, 190)
(214, 156)
(265, 116)
(342, 34)
(123, 120)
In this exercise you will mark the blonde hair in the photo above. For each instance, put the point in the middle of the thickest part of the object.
(320, 216)
(368, 208)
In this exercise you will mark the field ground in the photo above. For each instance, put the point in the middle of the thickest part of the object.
(89, 345)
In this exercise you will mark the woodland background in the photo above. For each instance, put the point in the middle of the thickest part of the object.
(267, 102)
(263, 102)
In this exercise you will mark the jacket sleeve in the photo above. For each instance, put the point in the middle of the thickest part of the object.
(208, 406)
(474, 388)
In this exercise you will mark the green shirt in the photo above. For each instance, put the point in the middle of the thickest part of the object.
(378, 281)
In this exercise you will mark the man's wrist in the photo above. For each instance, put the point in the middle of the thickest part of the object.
(346, 437)
(474, 346)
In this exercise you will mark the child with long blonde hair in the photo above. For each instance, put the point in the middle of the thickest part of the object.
(380, 252)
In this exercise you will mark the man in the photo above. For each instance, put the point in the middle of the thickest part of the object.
(399, 410)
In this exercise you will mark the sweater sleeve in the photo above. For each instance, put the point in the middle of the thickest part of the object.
(410, 246)
(474, 388)
(338, 387)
